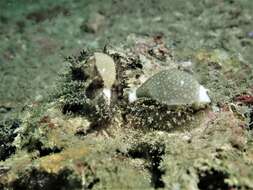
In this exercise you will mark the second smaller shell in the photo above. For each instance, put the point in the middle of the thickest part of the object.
(104, 67)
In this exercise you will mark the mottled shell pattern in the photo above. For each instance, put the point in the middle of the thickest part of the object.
(173, 87)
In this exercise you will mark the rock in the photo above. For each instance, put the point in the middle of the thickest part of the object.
(94, 23)
(250, 34)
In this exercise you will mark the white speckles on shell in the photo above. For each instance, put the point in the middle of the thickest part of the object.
(173, 87)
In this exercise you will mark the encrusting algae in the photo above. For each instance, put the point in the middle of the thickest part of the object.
(149, 138)
(123, 116)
